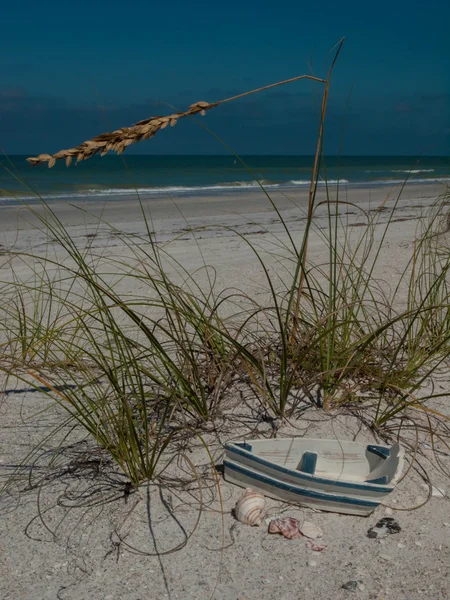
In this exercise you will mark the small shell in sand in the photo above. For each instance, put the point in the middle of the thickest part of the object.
(250, 507)
(289, 527)
(310, 530)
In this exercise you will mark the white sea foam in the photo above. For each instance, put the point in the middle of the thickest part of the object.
(108, 192)
(401, 171)
(410, 181)
(412, 171)
(94, 193)
(308, 181)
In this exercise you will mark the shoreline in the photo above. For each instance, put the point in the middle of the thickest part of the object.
(128, 193)
(98, 193)
(162, 207)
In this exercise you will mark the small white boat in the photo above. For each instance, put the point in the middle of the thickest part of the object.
(331, 475)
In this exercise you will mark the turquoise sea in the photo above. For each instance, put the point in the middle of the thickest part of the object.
(113, 178)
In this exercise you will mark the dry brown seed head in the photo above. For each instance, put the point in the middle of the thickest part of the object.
(145, 129)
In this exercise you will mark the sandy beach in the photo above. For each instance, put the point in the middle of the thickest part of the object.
(220, 223)
(68, 530)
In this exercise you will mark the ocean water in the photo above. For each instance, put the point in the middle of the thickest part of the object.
(180, 175)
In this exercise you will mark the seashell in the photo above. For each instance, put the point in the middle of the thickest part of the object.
(310, 530)
(250, 507)
(287, 526)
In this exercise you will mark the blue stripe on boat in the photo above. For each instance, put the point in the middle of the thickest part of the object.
(308, 493)
(372, 487)
(380, 481)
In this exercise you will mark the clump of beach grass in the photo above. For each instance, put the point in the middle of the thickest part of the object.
(139, 370)
(355, 335)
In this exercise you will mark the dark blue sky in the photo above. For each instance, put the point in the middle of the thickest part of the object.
(72, 70)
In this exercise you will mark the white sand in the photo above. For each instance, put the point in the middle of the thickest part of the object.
(60, 538)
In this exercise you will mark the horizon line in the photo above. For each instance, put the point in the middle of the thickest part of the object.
(417, 156)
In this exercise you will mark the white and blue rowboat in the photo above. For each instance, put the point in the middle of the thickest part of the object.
(331, 475)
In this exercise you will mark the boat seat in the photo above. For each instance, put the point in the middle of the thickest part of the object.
(308, 463)
(385, 470)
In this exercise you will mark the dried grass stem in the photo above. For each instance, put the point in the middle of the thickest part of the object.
(120, 139)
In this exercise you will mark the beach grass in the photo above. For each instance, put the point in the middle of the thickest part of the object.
(139, 370)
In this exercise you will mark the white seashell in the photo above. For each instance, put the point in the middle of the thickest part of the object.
(250, 507)
(310, 530)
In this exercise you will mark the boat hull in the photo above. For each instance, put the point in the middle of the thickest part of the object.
(342, 477)
(295, 494)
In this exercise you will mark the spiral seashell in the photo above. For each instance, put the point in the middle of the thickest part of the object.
(250, 507)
